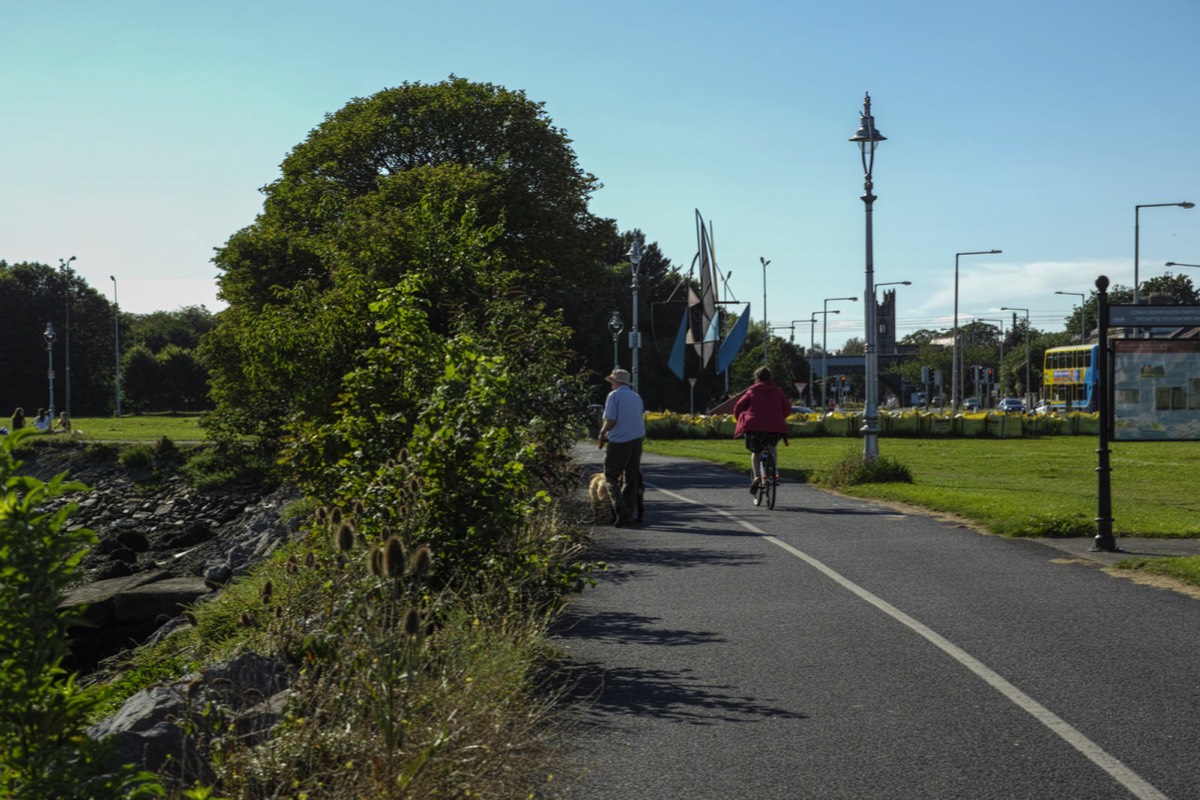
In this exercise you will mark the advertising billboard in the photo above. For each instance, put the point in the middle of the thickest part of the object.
(1156, 389)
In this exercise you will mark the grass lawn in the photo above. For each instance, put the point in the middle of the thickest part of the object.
(141, 428)
(1016, 487)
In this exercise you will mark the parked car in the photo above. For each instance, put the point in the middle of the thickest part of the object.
(971, 404)
(1011, 404)
(1046, 407)
(804, 410)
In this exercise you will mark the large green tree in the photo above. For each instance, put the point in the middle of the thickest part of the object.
(383, 189)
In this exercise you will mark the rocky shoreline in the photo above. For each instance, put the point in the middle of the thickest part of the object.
(163, 544)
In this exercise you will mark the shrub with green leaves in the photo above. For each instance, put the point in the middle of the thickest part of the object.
(43, 750)
(454, 442)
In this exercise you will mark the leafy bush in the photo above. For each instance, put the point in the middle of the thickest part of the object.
(226, 465)
(855, 469)
(43, 751)
(1048, 525)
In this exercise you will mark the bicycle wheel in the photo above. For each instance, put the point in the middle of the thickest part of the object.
(762, 490)
(770, 481)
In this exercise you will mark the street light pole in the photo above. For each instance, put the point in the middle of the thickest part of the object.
(48, 335)
(635, 339)
(812, 344)
(1177, 264)
(868, 138)
(1137, 237)
(1028, 385)
(766, 325)
(117, 341)
(65, 266)
(1082, 314)
(825, 342)
(956, 354)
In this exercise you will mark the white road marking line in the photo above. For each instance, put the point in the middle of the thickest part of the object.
(1136, 785)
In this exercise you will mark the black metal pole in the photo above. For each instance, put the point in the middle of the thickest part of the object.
(1104, 523)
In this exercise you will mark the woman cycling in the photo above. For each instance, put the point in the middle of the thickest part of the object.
(761, 413)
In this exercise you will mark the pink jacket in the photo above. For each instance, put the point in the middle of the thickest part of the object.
(763, 408)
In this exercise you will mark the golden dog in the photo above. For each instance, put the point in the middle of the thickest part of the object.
(601, 502)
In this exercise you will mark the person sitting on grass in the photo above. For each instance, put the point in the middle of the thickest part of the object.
(18, 419)
(43, 421)
(64, 423)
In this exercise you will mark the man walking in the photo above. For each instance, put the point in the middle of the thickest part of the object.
(623, 431)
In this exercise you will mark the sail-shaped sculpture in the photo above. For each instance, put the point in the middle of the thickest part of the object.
(701, 323)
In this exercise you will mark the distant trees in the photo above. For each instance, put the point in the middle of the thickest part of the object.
(32, 295)
(160, 370)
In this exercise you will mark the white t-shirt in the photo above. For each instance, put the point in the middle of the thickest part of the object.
(42, 423)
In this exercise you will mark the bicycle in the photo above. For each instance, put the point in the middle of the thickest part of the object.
(768, 480)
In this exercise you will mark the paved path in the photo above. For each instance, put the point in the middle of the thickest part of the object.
(835, 648)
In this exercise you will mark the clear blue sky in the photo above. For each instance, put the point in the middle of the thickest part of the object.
(137, 133)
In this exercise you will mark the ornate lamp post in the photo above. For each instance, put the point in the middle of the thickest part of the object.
(1082, 314)
(1028, 385)
(65, 266)
(1137, 236)
(48, 335)
(955, 376)
(635, 338)
(615, 326)
(825, 341)
(868, 139)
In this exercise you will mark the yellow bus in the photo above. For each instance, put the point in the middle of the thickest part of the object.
(1069, 377)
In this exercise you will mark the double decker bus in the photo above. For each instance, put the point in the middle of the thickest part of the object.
(1069, 376)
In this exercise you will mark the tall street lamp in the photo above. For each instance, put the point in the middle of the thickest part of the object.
(635, 338)
(65, 266)
(1082, 314)
(825, 341)
(1177, 264)
(1028, 385)
(1137, 236)
(812, 344)
(48, 335)
(868, 139)
(766, 325)
(117, 342)
(956, 355)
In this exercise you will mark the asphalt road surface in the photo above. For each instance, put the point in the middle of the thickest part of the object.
(834, 648)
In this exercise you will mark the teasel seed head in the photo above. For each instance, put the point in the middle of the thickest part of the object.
(412, 622)
(322, 513)
(335, 515)
(375, 561)
(344, 537)
(422, 559)
(393, 558)
(264, 593)
(359, 509)
(191, 618)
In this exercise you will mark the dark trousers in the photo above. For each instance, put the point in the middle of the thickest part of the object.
(623, 460)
